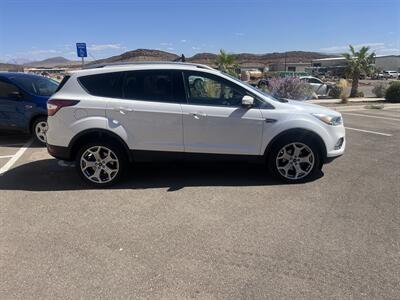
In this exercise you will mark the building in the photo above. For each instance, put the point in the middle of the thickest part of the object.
(329, 62)
(45, 70)
(251, 66)
(387, 63)
(382, 62)
(289, 67)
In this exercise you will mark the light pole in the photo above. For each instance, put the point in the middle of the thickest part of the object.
(285, 60)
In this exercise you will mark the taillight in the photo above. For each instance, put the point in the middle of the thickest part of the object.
(54, 105)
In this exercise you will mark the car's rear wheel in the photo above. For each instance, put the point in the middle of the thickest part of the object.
(39, 129)
(101, 164)
(294, 159)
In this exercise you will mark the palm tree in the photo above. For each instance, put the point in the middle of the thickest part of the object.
(358, 62)
(226, 62)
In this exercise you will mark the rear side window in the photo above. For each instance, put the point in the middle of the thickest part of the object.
(159, 85)
(6, 89)
(313, 80)
(62, 83)
(36, 85)
(103, 85)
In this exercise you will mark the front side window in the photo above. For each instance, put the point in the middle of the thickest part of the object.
(6, 89)
(208, 89)
(103, 85)
(306, 80)
(36, 85)
(314, 80)
(154, 85)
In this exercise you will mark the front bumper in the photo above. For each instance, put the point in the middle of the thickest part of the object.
(328, 160)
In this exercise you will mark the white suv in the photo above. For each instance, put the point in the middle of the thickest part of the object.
(108, 116)
(392, 74)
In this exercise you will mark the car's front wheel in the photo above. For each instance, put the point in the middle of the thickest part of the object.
(294, 159)
(100, 164)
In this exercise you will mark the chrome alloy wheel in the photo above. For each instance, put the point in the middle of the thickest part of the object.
(41, 130)
(99, 164)
(295, 161)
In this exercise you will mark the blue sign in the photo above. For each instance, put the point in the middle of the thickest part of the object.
(81, 49)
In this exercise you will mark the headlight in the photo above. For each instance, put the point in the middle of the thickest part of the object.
(330, 120)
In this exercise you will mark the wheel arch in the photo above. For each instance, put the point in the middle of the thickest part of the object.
(33, 120)
(299, 132)
(96, 134)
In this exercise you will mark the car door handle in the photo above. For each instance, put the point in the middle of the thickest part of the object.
(123, 110)
(267, 120)
(198, 115)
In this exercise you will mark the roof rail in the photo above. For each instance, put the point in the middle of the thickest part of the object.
(96, 66)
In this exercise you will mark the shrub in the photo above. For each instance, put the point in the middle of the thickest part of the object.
(290, 88)
(343, 84)
(393, 92)
(379, 90)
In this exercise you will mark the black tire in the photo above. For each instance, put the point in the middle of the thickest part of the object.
(39, 136)
(286, 141)
(110, 179)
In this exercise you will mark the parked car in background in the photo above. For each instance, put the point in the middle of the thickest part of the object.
(388, 75)
(108, 116)
(392, 74)
(23, 100)
(320, 88)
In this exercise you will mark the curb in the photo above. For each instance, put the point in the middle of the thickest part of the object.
(339, 101)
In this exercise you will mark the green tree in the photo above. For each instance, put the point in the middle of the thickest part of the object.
(226, 62)
(358, 62)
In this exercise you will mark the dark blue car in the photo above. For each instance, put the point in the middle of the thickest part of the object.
(23, 100)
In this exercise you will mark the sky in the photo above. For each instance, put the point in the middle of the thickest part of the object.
(39, 29)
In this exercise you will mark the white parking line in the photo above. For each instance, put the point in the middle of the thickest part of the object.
(364, 107)
(15, 157)
(369, 131)
(6, 156)
(369, 116)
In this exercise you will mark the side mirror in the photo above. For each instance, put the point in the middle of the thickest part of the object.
(15, 95)
(247, 101)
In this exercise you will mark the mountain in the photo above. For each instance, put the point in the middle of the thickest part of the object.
(261, 59)
(50, 62)
(11, 67)
(138, 55)
(209, 58)
(203, 58)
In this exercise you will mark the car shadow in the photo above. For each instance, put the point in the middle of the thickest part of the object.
(53, 175)
(12, 139)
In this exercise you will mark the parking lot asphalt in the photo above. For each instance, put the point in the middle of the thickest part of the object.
(209, 231)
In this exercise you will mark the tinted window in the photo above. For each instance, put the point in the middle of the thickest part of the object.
(103, 85)
(36, 85)
(160, 85)
(207, 89)
(6, 89)
(63, 82)
(314, 80)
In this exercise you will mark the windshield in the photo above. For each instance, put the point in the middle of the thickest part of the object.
(36, 85)
(256, 89)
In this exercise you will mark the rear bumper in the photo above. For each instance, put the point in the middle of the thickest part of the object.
(59, 152)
